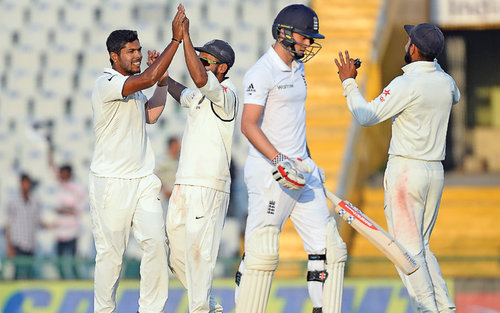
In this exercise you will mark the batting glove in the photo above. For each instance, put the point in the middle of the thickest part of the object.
(287, 171)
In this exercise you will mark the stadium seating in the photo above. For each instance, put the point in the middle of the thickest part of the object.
(55, 49)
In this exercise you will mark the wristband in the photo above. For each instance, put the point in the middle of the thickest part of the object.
(179, 41)
(278, 158)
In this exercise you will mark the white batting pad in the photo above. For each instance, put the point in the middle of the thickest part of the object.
(261, 260)
(336, 255)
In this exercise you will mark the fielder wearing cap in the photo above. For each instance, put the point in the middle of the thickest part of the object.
(419, 103)
(220, 50)
(200, 198)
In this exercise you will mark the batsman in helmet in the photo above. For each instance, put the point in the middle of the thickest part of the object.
(282, 180)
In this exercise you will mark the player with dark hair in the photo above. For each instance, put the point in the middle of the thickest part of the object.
(199, 201)
(123, 191)
(281, 178)
(419, 103)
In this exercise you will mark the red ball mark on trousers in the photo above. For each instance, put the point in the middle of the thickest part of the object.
(405, 228)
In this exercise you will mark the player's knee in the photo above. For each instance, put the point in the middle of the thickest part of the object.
(336, 249)
(261, 252)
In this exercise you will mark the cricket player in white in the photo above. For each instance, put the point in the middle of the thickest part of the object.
(199, 201)
(123, 191)
(282, 180)
(419, 103)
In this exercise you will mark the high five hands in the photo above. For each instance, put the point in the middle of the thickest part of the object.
(347, 66)
(180, 17)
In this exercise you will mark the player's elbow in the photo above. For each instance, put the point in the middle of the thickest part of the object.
(200, 80)
(149, 78)
(365, 120)
(365, 123)
(248, 128)
(244, 127)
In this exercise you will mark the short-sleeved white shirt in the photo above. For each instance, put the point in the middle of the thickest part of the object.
(419, 103)
(282, 91)
(122, 147)
(207, 140)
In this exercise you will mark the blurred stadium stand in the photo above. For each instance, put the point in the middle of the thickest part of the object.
(55, 49)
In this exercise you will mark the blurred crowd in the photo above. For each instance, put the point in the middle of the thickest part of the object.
(46, 241)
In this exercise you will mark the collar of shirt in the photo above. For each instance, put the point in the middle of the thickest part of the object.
(419, 66)
(111, 71)
(280, 63)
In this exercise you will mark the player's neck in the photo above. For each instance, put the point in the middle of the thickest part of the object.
(283, 53)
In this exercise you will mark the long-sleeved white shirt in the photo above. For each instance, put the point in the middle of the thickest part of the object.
(419, 103)
(206, 143)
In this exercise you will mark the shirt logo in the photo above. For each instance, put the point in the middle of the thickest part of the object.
(250, 88)
(224, 88)
(198, 106)
(271, 207)
(384, 94)
(285, 86)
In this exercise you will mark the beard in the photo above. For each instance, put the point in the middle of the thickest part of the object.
(408, 57)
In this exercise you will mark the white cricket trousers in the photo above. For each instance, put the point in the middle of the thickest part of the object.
(195, 219)
(118, 205)
(269, 203)
(413, 190)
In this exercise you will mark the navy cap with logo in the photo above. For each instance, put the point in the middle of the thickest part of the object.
(219, 49)
(427, 37)
(300, 19)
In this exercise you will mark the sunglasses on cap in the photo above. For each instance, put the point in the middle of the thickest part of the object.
(207, 62)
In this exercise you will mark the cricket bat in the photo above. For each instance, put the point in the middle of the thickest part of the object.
(374, 233)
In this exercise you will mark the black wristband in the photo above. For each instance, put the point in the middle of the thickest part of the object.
(179, 41)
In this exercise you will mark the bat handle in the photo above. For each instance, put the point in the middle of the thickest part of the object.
(330, 195)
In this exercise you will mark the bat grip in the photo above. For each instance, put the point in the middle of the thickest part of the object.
(330, 195)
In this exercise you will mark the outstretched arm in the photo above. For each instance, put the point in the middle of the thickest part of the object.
(195, 67)
(154, 72)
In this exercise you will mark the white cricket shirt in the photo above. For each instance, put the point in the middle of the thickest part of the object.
(419, 102)
(282, 91)
(122, 147)
(207, 139)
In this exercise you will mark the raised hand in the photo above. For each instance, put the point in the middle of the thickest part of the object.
(152, 56)
(347, 67)
(179, 18)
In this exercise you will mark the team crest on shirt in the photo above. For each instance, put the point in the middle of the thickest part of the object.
(384, 95)
(271, 207)
(250, 89)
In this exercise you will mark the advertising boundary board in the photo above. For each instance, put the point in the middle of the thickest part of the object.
(287, 295)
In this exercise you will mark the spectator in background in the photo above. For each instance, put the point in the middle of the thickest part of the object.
(23, 221)
(167, 167)
(71, 203)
